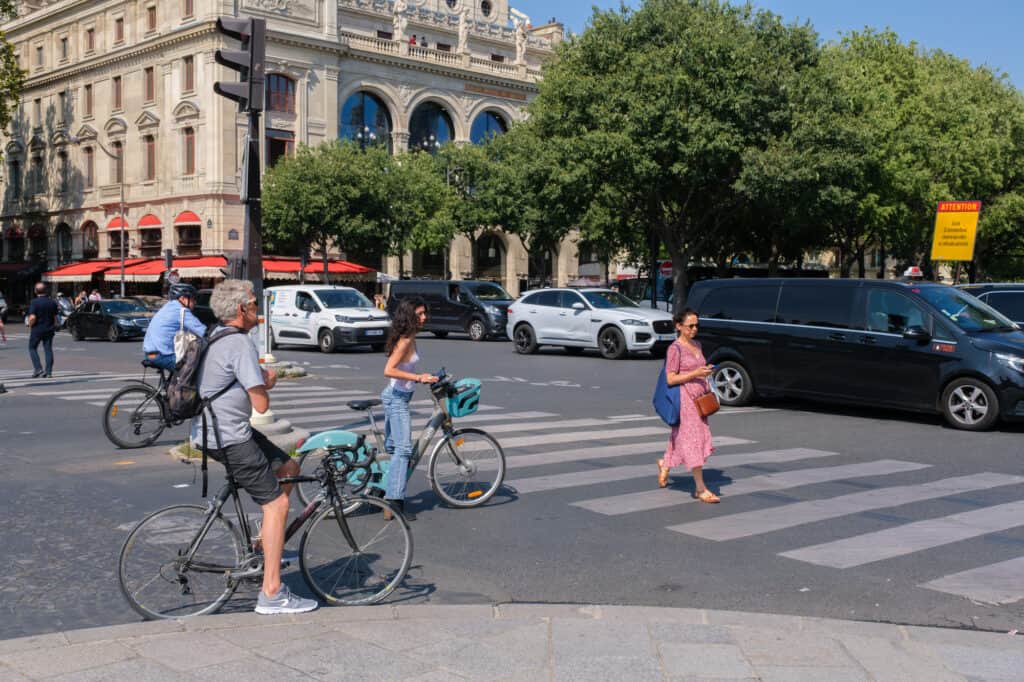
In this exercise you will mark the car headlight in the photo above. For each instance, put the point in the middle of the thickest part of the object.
(634, 323)
(343, 318)
(126, 323)
(1012, 361)
(494, 310)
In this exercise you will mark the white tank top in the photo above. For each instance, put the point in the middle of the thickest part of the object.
(410, 366)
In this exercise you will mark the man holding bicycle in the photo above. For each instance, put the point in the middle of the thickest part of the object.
(174, 315)
(252, 459)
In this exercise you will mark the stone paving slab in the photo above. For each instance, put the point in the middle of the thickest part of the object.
(523, 642)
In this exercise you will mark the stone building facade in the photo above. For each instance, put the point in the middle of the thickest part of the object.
(106, 77)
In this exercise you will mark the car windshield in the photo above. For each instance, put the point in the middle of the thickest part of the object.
(967, 312)
(341, 298)
(608, 299)
(115, 307)
(490, 292)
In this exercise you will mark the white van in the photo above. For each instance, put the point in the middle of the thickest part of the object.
(325, 316)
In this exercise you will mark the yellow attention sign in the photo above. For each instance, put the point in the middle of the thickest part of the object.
(956, 224)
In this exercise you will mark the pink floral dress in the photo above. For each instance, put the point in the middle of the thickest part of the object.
(690, 443)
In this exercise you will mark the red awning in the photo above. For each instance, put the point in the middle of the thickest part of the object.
(280, 268)
(116, 224)
(201, 267)
(187, 218)
(83, 271)
(150, 220)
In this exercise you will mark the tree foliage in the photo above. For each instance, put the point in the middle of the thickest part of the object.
(12, 77)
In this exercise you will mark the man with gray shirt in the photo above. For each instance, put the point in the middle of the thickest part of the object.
(232, 363)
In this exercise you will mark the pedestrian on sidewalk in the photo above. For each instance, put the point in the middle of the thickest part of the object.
(406, 322)
(231, 368)
(690, 442)
(42, 322)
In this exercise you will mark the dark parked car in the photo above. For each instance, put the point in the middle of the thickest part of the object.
(477, 308)
(907, 345)
(1006, 298)
(203, 310)
(114, 320)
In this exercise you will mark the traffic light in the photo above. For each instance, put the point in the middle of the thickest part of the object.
(248, 61)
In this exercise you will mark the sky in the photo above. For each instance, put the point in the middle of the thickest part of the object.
(982, 31)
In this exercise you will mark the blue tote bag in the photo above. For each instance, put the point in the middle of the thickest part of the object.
(666, 400)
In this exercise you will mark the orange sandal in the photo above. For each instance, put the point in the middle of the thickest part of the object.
(707, 496)
(662, 474)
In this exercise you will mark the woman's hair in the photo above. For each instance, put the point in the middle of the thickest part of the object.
(404, 323)
(681, 316)
(227, 296)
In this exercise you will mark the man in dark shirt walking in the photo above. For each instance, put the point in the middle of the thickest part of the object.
(42, 322)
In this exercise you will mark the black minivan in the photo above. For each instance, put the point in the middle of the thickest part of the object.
(909, 345)
(475, 307)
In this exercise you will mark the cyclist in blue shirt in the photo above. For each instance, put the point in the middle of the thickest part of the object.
(159, 342)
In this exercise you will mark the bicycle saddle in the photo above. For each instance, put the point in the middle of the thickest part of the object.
(149, 363)
(363, 404)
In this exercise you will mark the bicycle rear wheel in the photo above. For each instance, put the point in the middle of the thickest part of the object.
(156, 579)
(133, 417)
(356, 557)
(466, 467)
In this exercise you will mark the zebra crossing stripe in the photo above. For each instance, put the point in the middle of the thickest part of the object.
(1000, 583)
(761, 521)
(481, 419)
(911, 537)
(623, 473)
(647, 499)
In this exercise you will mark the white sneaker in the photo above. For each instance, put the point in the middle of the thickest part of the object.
(283, 602)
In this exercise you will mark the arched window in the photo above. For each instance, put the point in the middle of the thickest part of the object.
(280, 93)
(90, 240)
(486, 125)
(365, 119)
(37, 242)
(63, 237)
(490, 256)
(430, 127)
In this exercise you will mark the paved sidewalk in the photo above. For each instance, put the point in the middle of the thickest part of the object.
(513, 642)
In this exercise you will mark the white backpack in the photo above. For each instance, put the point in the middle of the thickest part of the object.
(183, 339)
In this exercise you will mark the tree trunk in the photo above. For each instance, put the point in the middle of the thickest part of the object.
(773, 262)
(323, 253)
(860, 263)
(681, 285)
(652, 276)
(882, 256)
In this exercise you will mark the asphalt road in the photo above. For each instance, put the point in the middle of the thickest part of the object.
(833, 512)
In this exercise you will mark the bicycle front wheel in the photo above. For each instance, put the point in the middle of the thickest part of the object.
(160, 581)
(466, 467)
(133, 417)
(356, 557)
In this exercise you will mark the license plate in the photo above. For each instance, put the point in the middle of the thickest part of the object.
(666, 337)
(375, 332)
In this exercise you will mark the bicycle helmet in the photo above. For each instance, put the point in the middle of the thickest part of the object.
(181, 289)
(466, 399)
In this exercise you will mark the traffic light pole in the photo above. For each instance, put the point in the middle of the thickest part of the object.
(252, 225)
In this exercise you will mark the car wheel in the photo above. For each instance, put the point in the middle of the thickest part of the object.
(477, 330)
(76, 333)
(525, 341)
(970, 404)
(732, 383)
(612, 344)
(440, 335)
(377, 347)
(573, 350)
(113, 335)
(326, 340)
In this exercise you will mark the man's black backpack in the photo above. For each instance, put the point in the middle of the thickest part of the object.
(183, 397)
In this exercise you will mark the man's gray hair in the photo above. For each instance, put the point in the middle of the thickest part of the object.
(228, 295)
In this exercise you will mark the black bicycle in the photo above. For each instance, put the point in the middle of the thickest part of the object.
(135, 416)
(187, 560)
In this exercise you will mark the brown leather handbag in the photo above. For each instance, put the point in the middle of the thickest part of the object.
(706, 404)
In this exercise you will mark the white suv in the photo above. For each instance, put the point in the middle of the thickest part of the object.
(587, 318)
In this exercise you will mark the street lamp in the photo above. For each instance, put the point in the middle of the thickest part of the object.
(366, 136)
(124, 223)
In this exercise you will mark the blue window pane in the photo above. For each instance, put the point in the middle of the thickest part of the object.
(429, 128)
(486, 125)
(365, 119)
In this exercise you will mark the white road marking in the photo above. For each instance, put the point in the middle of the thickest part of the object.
(760, 521)
(911, 537)
(1001, 583)
(657, 499)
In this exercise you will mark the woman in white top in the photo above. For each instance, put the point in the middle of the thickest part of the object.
(400, 349)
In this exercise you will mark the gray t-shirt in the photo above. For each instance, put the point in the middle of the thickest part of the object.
(233, 357)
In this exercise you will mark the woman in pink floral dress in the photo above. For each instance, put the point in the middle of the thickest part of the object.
(690, 443)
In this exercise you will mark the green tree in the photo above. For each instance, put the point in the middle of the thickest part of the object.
(12, 78)
(653, 112)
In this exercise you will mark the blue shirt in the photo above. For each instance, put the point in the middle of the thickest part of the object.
(165, 324)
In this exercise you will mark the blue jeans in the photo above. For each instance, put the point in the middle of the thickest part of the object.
(33, 342)
(397, 439)
(165, 361)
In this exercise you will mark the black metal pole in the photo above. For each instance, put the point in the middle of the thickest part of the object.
(252, 265)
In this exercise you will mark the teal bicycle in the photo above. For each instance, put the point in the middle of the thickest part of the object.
(466, 466)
